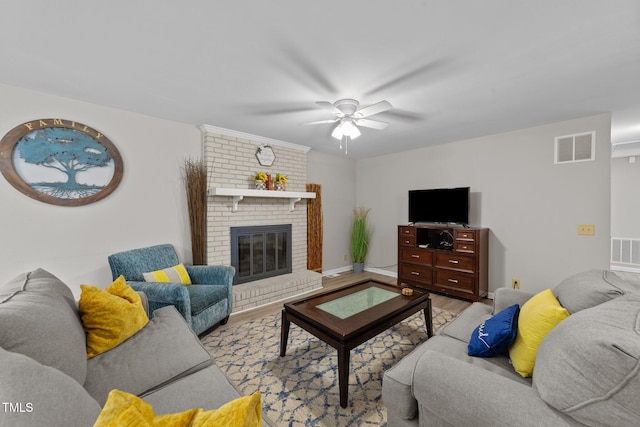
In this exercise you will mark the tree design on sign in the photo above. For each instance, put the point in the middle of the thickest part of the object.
(66, 152)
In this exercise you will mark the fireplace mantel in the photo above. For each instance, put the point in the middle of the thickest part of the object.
(239, 194)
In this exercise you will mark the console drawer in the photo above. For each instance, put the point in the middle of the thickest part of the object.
(416, 273)
(453, 280)
(464, 235)
(455, 261)
(416, 256)
(464, 246)
(407, 236)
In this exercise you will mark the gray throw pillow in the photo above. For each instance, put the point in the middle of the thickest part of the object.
(39, 319)
(588, 289)
(587, 366)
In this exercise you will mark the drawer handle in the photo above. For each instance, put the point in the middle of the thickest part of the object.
(406, 241)
(406, 231)
(454, 261)
(415, 256)
(415, 273)
(453, 280)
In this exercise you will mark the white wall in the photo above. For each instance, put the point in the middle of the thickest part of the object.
(337, 176)
(147, 208)
(532, 206)
(625, 198)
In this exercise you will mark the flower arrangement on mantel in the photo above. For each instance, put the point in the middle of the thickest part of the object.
(263, 181)
(260, 179)
(280, 182)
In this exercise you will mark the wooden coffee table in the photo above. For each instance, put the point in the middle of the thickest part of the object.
(348, 316)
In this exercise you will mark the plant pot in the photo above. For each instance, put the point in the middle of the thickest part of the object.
(260, 184)
(358, 267)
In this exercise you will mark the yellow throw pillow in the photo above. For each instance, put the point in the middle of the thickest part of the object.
(124, 409)
(538, 317)
(110, 316)
(176, 274)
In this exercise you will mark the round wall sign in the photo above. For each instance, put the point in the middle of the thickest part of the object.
(60, 162)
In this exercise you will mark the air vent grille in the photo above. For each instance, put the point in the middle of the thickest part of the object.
(580, 147)
(625, 252)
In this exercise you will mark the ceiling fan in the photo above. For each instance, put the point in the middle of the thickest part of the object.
(349, 117)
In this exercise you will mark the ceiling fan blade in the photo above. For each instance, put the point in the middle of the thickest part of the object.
(376, 108)
(374, 124)
(319, 122)
(330, 107)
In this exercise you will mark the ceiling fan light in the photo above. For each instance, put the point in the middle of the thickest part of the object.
(350, 130)
(338, 132)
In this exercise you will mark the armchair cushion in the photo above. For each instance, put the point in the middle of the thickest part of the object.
(204, 296)
(176, 274)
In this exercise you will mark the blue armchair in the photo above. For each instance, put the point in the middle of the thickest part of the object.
(207, 301)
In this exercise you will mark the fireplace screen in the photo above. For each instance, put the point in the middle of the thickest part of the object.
(259, 252)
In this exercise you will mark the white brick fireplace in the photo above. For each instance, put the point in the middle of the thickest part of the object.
(231, 160)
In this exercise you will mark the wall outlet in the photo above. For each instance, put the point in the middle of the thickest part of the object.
(586, 229)
(515, 283)
(344, 257)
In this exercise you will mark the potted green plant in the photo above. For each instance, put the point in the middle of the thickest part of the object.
(360, 235)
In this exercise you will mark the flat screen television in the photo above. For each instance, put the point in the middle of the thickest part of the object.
(441, 205)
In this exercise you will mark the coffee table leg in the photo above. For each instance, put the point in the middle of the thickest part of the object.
(343, 375)
(428, 318)
(284, 337)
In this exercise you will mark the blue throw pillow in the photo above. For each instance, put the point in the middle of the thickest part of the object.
(495, 335)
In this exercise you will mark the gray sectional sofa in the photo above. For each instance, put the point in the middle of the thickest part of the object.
(46, 379)
(586, 370)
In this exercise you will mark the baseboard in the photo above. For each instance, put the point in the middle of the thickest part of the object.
(381, 271)
(337, 271)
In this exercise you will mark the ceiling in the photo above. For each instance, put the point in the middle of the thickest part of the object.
(452, 70)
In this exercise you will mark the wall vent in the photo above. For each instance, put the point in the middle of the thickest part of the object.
(579, 147)
(625, 252)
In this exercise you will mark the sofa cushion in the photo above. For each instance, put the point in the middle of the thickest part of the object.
(462, 326)
(124, 409)
(164, 349)
(588, 289)
(495, 335)
(588, 366)
(538, 317)
(110, 316)
(40, 395)
(39, 319)
(398, 382)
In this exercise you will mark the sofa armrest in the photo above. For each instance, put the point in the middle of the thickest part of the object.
(145, 302)
(506, 297)
(211, 274)
(164, 294)
(461, 393)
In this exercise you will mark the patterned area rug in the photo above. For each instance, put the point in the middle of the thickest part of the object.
(301, 389)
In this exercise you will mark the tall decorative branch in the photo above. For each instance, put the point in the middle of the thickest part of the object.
(195, 178)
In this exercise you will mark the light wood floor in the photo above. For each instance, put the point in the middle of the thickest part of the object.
(453, 305)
